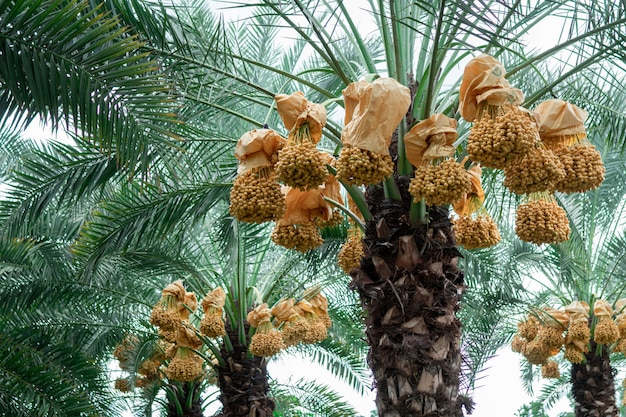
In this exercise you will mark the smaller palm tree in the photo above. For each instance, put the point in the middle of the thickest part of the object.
(584, 278)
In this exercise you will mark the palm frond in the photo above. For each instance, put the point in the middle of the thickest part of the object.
(136, 214)
(52, 174)
(311, 398)
(73, 65)
(40, 378)
(342, 361)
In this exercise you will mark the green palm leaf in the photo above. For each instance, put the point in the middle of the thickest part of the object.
(75, 66)
(309, 398)
(38, 378)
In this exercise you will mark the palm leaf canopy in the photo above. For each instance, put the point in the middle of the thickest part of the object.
(226, 76)
(78, 67)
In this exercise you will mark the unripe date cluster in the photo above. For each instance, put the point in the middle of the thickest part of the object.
(266, 344)
(335, 220)
(351, 253)
(300, 165)
(362, 167)
(495, 142)
(541, 221)
(301, 237)
(255, 199)
(476, 233)
(538, 170)
(584, 169)
(442, 184)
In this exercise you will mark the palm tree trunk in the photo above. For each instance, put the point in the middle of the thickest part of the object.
(243, 382)
(593, 385)
(184, 405)
(410, 289)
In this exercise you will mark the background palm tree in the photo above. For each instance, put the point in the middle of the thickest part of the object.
(134, 229)
(589, 266)
(408, 381)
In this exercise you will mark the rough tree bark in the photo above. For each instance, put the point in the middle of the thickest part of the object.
(593, 385)
(410, 289)
(243, 382)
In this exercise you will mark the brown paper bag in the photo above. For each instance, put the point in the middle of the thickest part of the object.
(483, 81)
(304, 206)
(373, 112)
(560, 118)
(295, 110)
(256, 148)
(431, 139)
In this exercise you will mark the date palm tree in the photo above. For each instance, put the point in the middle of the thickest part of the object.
(410, 304)
(588, 267)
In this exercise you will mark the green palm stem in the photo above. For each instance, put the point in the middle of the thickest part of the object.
(213, 349)
(347, 212)
(256, 267)
(387, 41)
(417, 212)
(240, 301)
(434, 65)
(391, 189)
(356, 39)
(400, 74)
(356, 194)
(359, 199)
(172, 399)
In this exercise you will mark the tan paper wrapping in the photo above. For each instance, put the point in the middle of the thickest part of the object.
(305, 306)
(472, 201)
(331, 187)
(214, 299)
(373, 111)
(188, 304)
(578, 311)
(284, 310)
(261, 314)
(176, 290)
(304, 206)
(620, 320)
(186, 337)
(191, 300)
(430, 139)
(319, 303)
(560, 118)
(555, 318)
(483, 80)
(255, 149)
(295, 110)
(602, 308)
